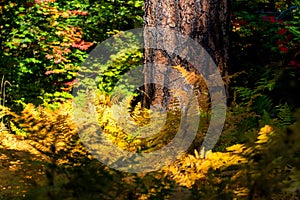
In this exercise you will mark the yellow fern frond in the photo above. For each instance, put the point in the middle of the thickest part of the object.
(190, 77)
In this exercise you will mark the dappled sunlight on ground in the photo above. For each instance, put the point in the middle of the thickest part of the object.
(21, 167)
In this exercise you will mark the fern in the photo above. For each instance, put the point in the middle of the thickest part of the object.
(265, 118)
(263, 103)
(244, 94)
(267, 81)
(199, 84)
(126, 127)
(17, 130)
(285, 115)
(52, 133)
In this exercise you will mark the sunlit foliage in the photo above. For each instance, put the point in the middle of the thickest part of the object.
(43, 44)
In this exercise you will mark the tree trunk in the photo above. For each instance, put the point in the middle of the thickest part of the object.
(207, 22)
(201, 22)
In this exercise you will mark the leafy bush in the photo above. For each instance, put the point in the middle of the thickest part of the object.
(43, 44)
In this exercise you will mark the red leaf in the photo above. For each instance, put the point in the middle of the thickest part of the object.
(282, 31)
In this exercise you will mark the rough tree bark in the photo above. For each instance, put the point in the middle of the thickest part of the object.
(205, 21)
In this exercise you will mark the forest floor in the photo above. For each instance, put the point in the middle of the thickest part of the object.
(23, 171)
(21, 167)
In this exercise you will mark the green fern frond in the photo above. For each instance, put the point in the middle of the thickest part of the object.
(263, 102)
(285, 115)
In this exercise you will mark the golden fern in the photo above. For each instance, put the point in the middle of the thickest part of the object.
(51, 132)
(199, 85)
(196, 80)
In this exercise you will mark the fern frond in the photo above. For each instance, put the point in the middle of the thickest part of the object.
(263, 102)
(191, 77)
(285, 115)
(199, 85)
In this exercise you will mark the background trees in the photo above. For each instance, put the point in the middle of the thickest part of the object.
(43, 45)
